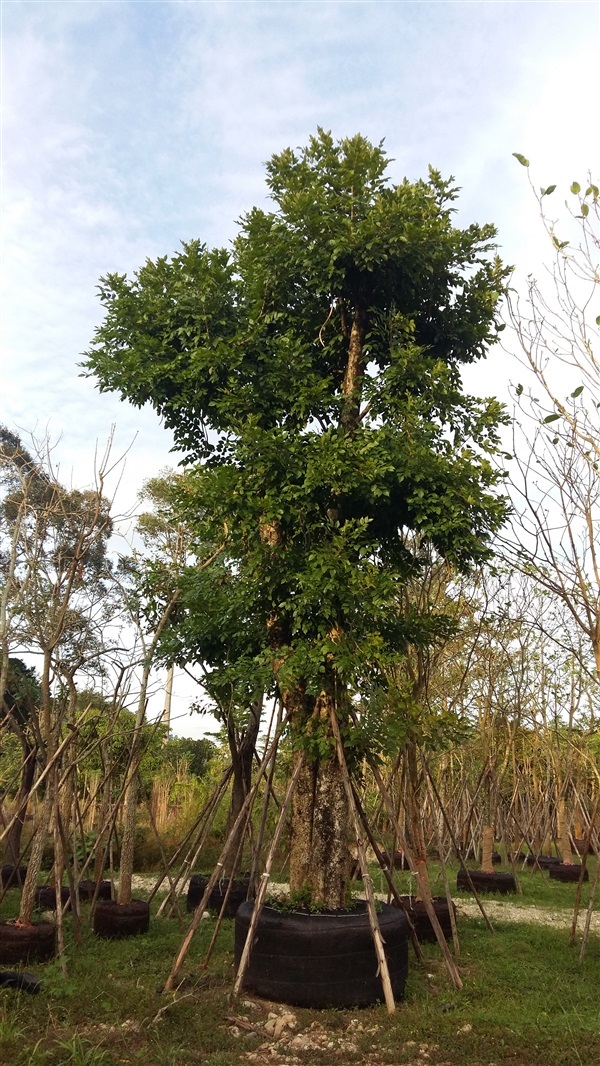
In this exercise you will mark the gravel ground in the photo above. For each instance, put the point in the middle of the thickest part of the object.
(496, 910)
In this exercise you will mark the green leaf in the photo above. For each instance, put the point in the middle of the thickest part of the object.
(598, 320)
(593, 189)
(521, 158)
(577, 392)
(551, 418)
(548, 191)
(519, 390)
(585, 210)
(575, 187)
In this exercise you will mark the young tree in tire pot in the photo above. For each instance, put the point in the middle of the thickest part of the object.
(313, 374)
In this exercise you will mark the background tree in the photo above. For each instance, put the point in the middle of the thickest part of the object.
(55, 563)
(555, 477)
(314, 370)
(21, 703)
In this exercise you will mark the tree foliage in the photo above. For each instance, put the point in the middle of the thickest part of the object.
(314, 371)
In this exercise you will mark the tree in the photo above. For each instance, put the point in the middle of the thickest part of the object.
(556, 482)
(313, 371)
(54, 568)
(21, 702)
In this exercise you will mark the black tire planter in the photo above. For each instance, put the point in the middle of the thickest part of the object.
(45, 897)
(487, 881)
(112, 920)
(567, 872)
(472, 857)
(21, 982)
(27, 943)
(322, 960)
(543, 861)
(12, 876)
(579, 843)
(88, 888)
(400, 860)
(419, 917)
(239, 891)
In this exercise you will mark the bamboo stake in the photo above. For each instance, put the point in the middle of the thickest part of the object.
(393, 891)
(441, 939)
(586, 849)
(455, 940)
(454, 842)
(268, 793)
(200, 828)
(588, 917)
(264, 880)
(187, 940)
(221, 914)
(364, 866)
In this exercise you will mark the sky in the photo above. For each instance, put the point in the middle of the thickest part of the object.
(131, 125)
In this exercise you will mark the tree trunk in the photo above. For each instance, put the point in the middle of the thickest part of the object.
(128, 840)
(320, 825)
(12, 851)
(415, 821)
(242, 757)
(563, 833)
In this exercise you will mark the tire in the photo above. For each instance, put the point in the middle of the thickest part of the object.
(567, 872)
(22, 982)
(45, 897)
(87, 889)
(239, 891)
(484, 881)
(543, 861)
(13, 876)
(27, 943)
(420, 918)
(579, 843)
(112, 921)
(471, 856)
(322, 960)
(400, 860)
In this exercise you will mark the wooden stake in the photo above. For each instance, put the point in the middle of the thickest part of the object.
(364, 866)
(264, 881)
(441, 939)
(247, 804)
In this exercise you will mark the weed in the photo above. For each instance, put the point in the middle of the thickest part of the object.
(80, 1052)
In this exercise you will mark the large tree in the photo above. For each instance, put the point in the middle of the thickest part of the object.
(313, 373)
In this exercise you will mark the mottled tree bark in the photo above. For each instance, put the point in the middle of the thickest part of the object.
(320, 823)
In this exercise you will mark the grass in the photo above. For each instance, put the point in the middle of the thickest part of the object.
(526, 1001)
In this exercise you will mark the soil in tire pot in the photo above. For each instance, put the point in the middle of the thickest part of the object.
(13, 876)
(239, 891)
(567, 872)
(322, 960)
(420, 918)
(486, 881)
(115, 920)
(27, 943)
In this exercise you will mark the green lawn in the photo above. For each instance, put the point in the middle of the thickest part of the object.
(526, 1001)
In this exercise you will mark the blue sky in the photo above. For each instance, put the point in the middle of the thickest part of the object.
(129, 126)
